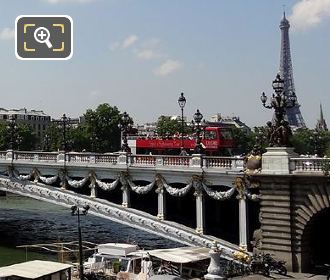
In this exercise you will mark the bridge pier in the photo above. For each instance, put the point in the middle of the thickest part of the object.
(126, 196)
(200, 212)
(242, 223)
(161, 204)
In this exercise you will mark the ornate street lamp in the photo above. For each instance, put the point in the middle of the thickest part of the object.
(125, 127)
(64, 123)
(75, 211)
(279, 131)
(12, 127)
(182, 103)
(197, 127)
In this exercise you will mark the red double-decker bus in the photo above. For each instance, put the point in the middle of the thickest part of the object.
(215, 141)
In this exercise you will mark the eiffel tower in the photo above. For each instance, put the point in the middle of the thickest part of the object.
(293, 114)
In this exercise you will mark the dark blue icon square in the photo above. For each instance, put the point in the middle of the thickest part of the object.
(43, 37)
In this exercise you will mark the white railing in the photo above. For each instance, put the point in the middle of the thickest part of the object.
(142, 160)
(309, 164)
(121, 158)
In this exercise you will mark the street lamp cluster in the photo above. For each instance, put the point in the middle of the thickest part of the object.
(196, 123)
(279, 130)
(125, 125)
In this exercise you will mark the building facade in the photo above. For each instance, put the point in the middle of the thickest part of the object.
(37, 120)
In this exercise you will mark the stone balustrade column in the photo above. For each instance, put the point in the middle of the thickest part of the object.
(199, 212)
(242, 223)
(123, 158)
(161, 204)
(126, 196)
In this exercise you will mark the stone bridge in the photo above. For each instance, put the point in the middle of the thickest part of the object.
(81, 178)
(294, 212)
(293, 194)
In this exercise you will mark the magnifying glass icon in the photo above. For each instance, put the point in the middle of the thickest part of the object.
(41, 35)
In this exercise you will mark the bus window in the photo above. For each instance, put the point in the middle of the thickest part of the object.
(210, 135)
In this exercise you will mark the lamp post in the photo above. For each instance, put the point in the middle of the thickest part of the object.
(182, 103)
(279, 130)
(197, 127)
(125, 126)
(75, 211)
(64, 123)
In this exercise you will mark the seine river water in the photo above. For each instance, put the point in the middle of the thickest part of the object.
(27, 221)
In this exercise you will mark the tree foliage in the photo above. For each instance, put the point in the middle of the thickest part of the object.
(168, 126)
(23, 137)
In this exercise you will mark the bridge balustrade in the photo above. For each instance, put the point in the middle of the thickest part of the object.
(142, 160)
(222, 162)
(101, 158)
(3, 155)
(309, 164)
(121, 158)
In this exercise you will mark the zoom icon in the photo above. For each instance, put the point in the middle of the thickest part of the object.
(43, 37)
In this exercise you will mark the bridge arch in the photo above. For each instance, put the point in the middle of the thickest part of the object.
(312, 227)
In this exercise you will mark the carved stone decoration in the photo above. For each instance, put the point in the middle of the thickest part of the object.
(240, 187)
(217, 194)
(253, 164)
(48, 180)
(76, 183)
(21, 177)
(107, 186)
(36, 174)
(161, 183)
(140, 189)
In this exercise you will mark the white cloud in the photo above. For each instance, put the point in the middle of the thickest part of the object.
(114, 46)
(151, 43)
(129, 41)
(309, 13)
(148, 54)
(95, 93)
(168, 67)
(7, 33)
(67, 1)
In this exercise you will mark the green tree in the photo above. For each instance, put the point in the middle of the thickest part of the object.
(101, 126)
(244, 140)
(54, 132)
(23, 137)
(26, 139)
(165, 125)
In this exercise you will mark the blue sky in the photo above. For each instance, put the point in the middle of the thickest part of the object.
(140, 54)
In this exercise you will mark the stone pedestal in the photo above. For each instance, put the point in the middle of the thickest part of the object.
(122, 158)
(10, 155)
(60, 157)
(196, 161)
(277, 160)
(215, 271)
